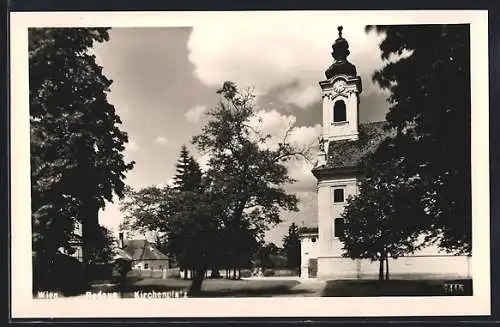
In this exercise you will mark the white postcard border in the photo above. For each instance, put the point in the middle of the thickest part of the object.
(24, 306)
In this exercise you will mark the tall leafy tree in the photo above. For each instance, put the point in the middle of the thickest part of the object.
(104, 244)
(430, 110)
(291, 246)
(192, 234)
(267, 255)
(146, 211)
(77, 145)
(185, 219)
(246, 177)
(383, 221)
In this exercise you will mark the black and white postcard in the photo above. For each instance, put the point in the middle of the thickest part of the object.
(246, 164)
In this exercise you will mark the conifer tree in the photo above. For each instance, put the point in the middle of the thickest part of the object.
(188, 175)
(291, 247)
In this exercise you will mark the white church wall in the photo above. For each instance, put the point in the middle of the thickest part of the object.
(427, 267)
(336, 267)
(328, 210)
(429, 261)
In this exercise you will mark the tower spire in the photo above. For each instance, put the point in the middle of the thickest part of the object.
(340, 52)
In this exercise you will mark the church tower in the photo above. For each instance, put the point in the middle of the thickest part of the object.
(340, 167)
(340, 92)
(336, 182)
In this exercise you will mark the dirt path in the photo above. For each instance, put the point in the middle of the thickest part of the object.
(311, 287)
(306, 288)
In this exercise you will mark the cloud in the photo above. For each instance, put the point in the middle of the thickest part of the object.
(273, 123)
(300, 95)
(276, 125)
(276, 53)
(161, 140)
(300, 169)
(131, 146)
(194, 114)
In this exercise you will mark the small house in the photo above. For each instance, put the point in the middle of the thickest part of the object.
(146, 256)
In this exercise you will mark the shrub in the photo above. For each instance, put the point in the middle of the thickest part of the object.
(245, 273)
(269, 272)
(286, 272)
(99, 271)
(120, 269)
(61, 273)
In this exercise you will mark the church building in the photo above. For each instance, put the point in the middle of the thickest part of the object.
(338, 172)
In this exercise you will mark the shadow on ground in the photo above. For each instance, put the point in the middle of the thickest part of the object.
(282, 290)
(211, 288)
(367, 288)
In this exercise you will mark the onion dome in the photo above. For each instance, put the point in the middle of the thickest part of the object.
(340, 52)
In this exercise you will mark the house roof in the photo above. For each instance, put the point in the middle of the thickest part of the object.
(308, 230)
(143, 250)
(121, 254)
(350, 154)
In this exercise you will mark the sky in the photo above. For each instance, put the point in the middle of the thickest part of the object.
(165, 80)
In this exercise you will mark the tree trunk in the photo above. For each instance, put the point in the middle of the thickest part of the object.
(234, 272)
(381, 269)
(90, 225)
(239, 272)
(195, 288)
(386, 267)
(215, 272)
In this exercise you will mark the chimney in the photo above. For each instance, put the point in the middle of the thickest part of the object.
(121, 244)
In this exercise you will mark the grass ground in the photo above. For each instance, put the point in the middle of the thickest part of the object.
(272, 287)
(211, 287)
(343, 288)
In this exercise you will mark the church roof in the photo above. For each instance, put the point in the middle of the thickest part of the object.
(350, 154)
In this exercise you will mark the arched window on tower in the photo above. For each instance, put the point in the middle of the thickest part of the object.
(339, 111)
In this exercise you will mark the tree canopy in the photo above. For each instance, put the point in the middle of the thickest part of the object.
(102, 248)
(182, 217)
(417, 186)
(218, 218)
(430, 109)
(246, 176)
(77, 161)
(384, 221)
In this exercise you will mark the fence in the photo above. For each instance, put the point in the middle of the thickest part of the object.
(155, 273)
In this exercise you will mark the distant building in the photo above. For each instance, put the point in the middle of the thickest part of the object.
(345, 143)
(75, 244)
(145, 255)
